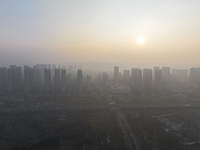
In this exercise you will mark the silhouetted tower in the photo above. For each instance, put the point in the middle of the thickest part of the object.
(116, 74)
(47, 80)
(63, 80)
(19, 83)
(126, 76)
(11, 73)
(136, 79)
(80, 80)
(57, 81)
(37, 78)
(29, 78)
(157, 78)
(194, 76)
(3, 79)
(43, 68)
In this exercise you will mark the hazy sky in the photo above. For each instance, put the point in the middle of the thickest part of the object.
(48, 31)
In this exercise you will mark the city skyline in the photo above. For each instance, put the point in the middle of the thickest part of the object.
(108, 74)
(106, 31)
(55, 77)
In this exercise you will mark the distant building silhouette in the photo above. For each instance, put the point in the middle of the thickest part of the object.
(43, 68)
(3, 79)
(116, 74)
(29, 78)
(37, 78)
(157, 78)
(48, 86)
(80, 80)
(53, 67)
(19, 83)
(57, 80)
(136, 78)
(126, 77)
(63, 80)
(11, 75)
(194, 76)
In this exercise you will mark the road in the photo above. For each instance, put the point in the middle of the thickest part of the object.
(127, 138)
(130, 130)
(132, 141)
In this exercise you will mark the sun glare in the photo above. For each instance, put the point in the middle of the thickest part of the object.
(141, 40)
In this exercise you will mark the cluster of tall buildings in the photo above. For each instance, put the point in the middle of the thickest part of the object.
(41, 77)
(52, 78)
(157, 77)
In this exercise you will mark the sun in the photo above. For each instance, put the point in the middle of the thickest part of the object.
(141, 40)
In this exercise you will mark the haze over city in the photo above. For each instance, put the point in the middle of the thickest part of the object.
(104, 31)
(99, 75)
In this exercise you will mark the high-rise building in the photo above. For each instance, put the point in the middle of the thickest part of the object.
(37, 78)
(126, 76)
(116, 74)
(63, 80)
(80, 80)
(194, 76)
(29, 78)
(14, 76)
(53, 73)
(3, 79)
(136, 78)
(19, 83)
(11, 73)
(48, 80)
(147, 78)
(57, 81)
(70, 81)
(43, 68)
